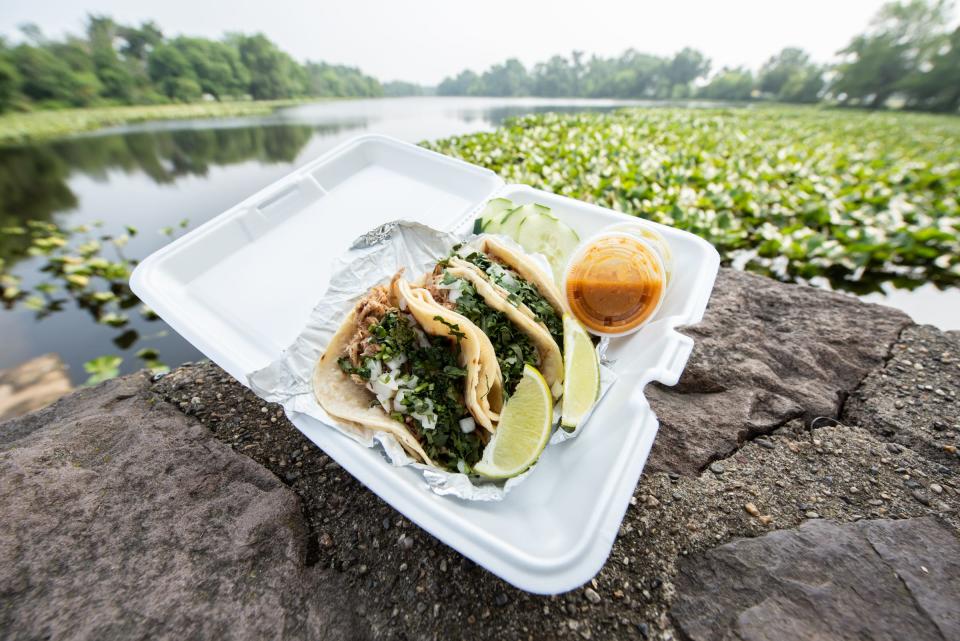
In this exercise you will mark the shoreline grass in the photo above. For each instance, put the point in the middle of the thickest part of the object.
(33, 126)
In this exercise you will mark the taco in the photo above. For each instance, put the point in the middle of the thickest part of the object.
(402, 364)
(504, 294)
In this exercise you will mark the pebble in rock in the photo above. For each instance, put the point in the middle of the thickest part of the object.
(936, 488)
(812, 515)
(501, 599)
(591, 595)
(762, 442)
(917, 494)
(717, 468)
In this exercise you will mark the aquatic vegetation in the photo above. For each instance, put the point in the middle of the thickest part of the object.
(847, 198)
(102, 368)
(85, 266)
(796, 193)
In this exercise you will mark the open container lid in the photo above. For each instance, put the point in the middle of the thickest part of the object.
(241, 287)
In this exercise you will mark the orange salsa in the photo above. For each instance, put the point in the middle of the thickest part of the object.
(616, 284)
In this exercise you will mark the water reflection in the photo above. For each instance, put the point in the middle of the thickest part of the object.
(151, 176)
(35, 181)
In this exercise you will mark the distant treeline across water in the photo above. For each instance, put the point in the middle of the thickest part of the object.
(908, 57)
(112, 63)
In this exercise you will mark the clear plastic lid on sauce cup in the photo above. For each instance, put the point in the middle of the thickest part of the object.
(615, 283)
(646, 231)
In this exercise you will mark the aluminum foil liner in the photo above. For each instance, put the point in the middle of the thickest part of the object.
(372, 260)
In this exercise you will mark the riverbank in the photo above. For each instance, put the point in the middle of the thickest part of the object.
(18, 128)
(860, 202)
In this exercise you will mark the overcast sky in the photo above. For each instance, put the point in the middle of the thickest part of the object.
(426, 40)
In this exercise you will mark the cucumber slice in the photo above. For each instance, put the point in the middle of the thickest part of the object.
(511, 224)
(494, 209)
(492, 225)
(509, 220)
(543, 234)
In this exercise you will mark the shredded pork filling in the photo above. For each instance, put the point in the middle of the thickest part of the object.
(415, 378)
(371, 309)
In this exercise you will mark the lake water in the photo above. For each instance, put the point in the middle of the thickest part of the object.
(153, 175)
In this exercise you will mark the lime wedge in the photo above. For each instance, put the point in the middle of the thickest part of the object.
(581, 373)
(524, 429)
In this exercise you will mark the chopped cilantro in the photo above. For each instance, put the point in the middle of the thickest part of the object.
(512, 347)
(349, 368)
(519, 291)
(439, 388)
(453, 327)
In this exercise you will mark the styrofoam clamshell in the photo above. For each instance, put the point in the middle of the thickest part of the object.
(241, 287)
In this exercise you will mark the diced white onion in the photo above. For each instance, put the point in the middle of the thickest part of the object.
(455, 288)
(391, 388)
(467, 424)
(454, 295)
(428, 419)
(503, 276)
(385, 385)
(395, 362)
(421, 337)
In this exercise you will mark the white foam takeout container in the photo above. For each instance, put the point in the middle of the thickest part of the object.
(241, 287)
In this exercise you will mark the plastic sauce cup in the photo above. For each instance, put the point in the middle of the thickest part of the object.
(615, 283)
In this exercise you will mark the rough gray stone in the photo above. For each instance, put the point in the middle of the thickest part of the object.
(913, 399)
(670, 518)
(123, 518)
(882, 580)
(353, 578)
(765, 353)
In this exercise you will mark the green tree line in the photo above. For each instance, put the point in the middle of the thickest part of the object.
(908, 52)
(112, 63)
(907, 55)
